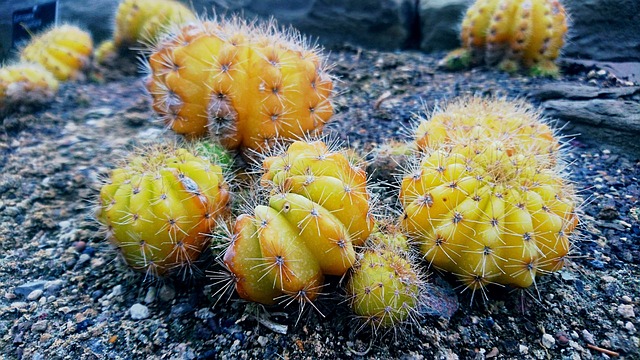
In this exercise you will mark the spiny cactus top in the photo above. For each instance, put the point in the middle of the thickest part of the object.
(144, 20)
(245, 84)
(64, 51)
(489, 209)
(25, 83)
(159, 207)
(479, 118)
(530, 32)
(318, 209)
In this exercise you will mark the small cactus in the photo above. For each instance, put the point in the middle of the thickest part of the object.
(243, 84)
(144, 21)
(385, 285)
(159, 207)
(318, 209)
(25, 84)
(490, 205)
(515, 33)
(64, 50)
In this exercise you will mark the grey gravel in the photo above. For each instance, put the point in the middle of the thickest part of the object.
(139, 312)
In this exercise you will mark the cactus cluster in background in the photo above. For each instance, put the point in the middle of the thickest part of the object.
(160, 206)
(487, 201)
(25, 84)
(513, 33)
(64, 50)
(140, 22)
(317, 211)
(244, 84)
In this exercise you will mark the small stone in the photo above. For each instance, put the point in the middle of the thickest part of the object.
(79, 246)
(204, 313)
(548, 341)
(53, 286)
(626, 311)
(25, 289)
(562, 339)
(524, 350)
(34, 295)
(630, 327)
(151, 295)
(586, 335)
(166, 293)
(83, 259)
(116, 291)
(40, 326)
(262, 341)
(626, 299)
(139, 312)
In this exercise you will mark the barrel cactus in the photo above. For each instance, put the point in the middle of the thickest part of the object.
(490, 206)
(159, 207)
(25, 84)
(385, 286)
(246, 84)
(515, 33)
(64, 50)
(317, 210)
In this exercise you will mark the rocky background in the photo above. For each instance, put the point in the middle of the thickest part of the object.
(603, 30)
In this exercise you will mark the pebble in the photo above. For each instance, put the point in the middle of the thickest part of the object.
(34, 295)
(25, 289)
(166, 293)
(523, 349)
(626, 311)
(630, 327)
(262, 341)
(139, 312)
(116, 291)
(626, 299)
(586, 335)
(53, 286)
(40, 326)
(83, 259)
(562, 339)
(151, 295)
(548, 341)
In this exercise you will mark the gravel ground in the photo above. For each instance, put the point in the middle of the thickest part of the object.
(63, 295)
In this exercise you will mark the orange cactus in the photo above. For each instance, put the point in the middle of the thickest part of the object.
(244, 84)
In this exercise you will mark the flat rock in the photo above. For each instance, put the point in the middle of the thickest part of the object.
(581, 92)
(27, 288)
(622, 115)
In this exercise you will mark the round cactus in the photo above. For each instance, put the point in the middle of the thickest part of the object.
(487, 205)
(25, 84)
(512, 32)
(385, 286)
(159, 207)
(143, 21)
(64, 50)
(244, 84)
(318, 209)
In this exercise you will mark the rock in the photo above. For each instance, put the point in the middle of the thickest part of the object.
(603, 30)
(379, 24)
(262, 341)
(166, 293)
(440, 23)
(34, 295)
(548, 341)
(53, 286)
(40, 326)
(139, 312)
(626, 311)
(586, 335)
(581, 92)
(151, 295)
(524, 350)
(25, 289)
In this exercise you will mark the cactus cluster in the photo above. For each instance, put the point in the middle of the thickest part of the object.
(244, 84)
(25, 84)
(513, 33)
(64, 50)
(385, 285)
(317, 211)
(139, 22)
(160, 206)
(490, 204)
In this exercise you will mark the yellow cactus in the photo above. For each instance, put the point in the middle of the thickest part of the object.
(143, 21)
(317, 211)
(515, 32)
(159, 207)
(64, 50)
(244, 84)
(25, 84)
(488, 206)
